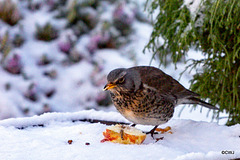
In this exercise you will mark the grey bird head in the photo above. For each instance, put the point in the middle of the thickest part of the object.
(123, 79)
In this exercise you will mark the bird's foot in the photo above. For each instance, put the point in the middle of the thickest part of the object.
(152, 132)
(164, 130)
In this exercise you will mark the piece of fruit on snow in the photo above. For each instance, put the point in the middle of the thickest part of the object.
(123, 134)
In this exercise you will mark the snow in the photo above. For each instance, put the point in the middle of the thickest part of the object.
(190, 139)
(77, 86)
(61, 117)
(193, 6)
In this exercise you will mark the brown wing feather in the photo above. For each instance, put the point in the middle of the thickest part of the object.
(164, 83)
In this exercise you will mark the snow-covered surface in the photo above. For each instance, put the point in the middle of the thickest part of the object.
(79, 85)
(190, 139)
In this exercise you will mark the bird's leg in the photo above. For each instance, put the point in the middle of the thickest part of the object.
(152, 131)
(133, 125)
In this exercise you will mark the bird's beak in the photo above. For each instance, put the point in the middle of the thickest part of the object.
(109, 86)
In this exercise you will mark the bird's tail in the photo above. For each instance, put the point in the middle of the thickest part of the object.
(194, 100)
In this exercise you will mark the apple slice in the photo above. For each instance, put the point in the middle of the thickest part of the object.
(123, 134)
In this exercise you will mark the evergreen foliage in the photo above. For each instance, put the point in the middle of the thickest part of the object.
(213, 28)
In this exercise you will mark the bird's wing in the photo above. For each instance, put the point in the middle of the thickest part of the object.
(163, 83)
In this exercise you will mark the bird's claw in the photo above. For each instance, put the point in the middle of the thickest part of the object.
(152, 133)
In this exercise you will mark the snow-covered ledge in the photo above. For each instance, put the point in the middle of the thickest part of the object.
(190, 139)
(44, 119)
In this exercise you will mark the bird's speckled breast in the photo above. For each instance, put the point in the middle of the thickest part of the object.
(145, 106)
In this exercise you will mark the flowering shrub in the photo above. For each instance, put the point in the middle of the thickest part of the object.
(14, 65)
(58, 69)
(123, 18)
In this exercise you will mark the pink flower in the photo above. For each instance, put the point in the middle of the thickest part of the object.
(14, 65)
(123, 14)
(96, 40)
(65, 46)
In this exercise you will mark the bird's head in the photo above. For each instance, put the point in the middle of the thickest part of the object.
(122, 79)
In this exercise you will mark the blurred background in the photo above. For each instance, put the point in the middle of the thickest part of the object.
(55, 55)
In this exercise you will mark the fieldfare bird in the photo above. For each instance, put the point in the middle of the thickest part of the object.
(146, 95)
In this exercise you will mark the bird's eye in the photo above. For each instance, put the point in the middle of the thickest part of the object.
(121, 80)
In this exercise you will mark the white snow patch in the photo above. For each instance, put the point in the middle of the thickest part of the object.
(190, 139)
(193, 6)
